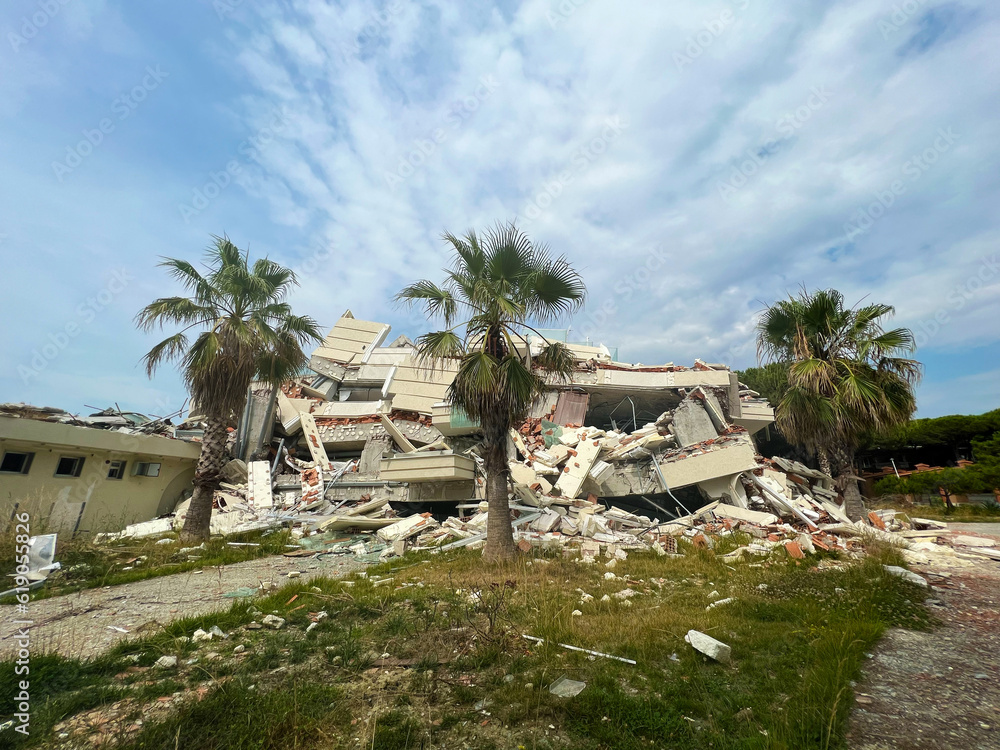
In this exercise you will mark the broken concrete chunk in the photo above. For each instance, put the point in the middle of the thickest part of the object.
(407, 527)
(566, 688)
(905, 574)
(708, 646)
(973, 541)
(273, 621)
(166, 662)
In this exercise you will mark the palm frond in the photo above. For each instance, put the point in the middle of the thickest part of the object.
(437, 301)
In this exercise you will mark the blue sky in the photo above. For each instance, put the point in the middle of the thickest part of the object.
(694, 160)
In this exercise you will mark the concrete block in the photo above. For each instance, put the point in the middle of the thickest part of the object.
(708, 646)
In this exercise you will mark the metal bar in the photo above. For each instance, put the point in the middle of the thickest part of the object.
(581, 650)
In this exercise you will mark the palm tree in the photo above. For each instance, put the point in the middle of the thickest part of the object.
(847, 378)
(247, 333)
(497, 284)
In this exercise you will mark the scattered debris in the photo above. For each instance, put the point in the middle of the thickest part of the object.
(581, 650)
(273, 621)
(708, 646)
(566, 688)
(906, 575)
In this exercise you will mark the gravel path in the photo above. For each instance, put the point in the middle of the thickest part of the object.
(83, 624)
(940, 689)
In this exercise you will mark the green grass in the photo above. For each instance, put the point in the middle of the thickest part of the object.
(938, 511)
(86, 564)
(799, 634)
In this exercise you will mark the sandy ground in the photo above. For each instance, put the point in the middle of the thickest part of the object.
(939, 689)
(84, 624)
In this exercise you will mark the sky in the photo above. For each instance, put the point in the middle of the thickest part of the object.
(694, 161)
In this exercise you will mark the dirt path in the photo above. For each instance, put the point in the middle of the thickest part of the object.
(83, 624)
(939, 689)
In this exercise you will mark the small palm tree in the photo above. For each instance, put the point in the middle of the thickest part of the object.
(497, 284)
(247, 333)
(847, 378)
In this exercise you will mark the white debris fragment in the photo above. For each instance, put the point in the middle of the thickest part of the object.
(905, 575)
(708, 646)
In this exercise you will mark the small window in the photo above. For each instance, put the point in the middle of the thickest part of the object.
(69, 466)
(16, 463)
(116, 470)
(146, 469)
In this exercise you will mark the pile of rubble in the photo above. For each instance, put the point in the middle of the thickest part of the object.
(629, 455)
(111, 418)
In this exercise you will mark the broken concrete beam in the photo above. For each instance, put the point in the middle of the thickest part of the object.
(570, 438)
(551, 456)
(407, 527)
(742, 514)
(692, 423)
(708, 646)
(398, 437)
(235, 471)
(577, 468)
(973, 541)
(547, 522)
(521, 474)
(519, 444)
(315, 443)
(719, 460)
(259, 484)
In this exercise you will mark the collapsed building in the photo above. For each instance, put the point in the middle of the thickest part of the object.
(370, 426)
(630, 430)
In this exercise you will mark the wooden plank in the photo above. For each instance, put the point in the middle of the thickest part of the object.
(259, 484)
(315, 442)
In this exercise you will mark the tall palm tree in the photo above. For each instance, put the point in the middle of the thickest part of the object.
(499, 283)
(247, 333)
(847, 379)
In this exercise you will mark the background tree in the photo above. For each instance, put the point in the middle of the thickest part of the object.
(847, 378)
(498, 285)
(248, 334)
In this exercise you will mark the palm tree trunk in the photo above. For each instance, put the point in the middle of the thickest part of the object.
(847, 483)
(823, 456)
(499, 535)
(206, 480)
